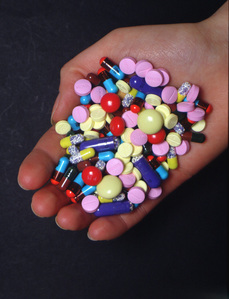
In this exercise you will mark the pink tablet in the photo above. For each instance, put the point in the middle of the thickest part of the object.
(160, 149)
(114, 166)
(82, 87)
(80, 113)
(97, 93)
(136, 195)
(90, 203)
(127, 65)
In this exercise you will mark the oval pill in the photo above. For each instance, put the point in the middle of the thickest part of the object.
(150, 121)
(109, 187)
(196, 115)
(199, 126)
(62, 127)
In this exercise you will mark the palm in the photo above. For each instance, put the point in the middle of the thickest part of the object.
(187, 55)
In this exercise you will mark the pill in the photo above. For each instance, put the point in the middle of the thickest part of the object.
(80, 114)
(142, 184)
(183, 148)
(196, 115)
(90, 203)
(131, 119)
(126, 135)
(91, 176)
(160, 149)
(142, 67)
(138, 137)
(157, 137)
(174, 139)
(154, 78)
(193, 93)
(62, 127)
(115, 166)
(127, 65)
(82, 87)
(98, 115)
(128, 168)
(109, 187)
(199, 126)
(185, 106)
(153, 99)
(138, 149)
(97, 93)
(164, 110)
(117, 126)
(128, 180)
(183, 91)
(154, 193)
(123, 86)
(166, 76)
(91, 135)
(136, 195)
(110, 102)
(124, 160)
(87, 125)
(148, 106)
(125, 150)
(98, 125)
(169, 94)
(150, 121)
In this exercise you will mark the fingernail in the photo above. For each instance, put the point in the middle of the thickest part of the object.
(58, 224)
(89, 237)
(55, 108)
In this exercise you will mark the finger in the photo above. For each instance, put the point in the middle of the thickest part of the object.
(48, 201)
(38, 166)
(73, 217)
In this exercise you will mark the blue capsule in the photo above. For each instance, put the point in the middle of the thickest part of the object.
(74, 125)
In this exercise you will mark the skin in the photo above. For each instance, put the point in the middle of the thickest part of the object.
(190, 52)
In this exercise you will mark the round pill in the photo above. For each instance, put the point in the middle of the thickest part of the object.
(185, 106)
(109, 117)
(199, 126)
(154, 193)
(136, 195)
(170, 121)
(126, 135)
(128, 180)
(110, 102)
(193, 93)
(90, 203)
(150, 121)
(109, 187)
(169, 94)
(137, 173)
(173, 139)
(125, 149)
(123, 86)
(82, 87)
(153, 99)
(87, 125)
(164, 110)
(142, 184)
(91, 176)
(166, 76)
(148, 106)
(94, 107)
(154, 78)
(196, 115)
(143, 67)
(128, 168)
(138, 149)
(99, 125)
(127, 65)
(98, 115)
(91, 135)
(80, 114)
(138, 137)
(131, 119)
(157, 137)
(62, 127)
(114, 166)
(160, 149)
(124, 160)
(183, 148)
(97, 93)
(117, 126)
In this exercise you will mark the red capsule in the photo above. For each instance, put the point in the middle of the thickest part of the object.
(110, 102)
(117, 126)
(91, 176)
(157, 137)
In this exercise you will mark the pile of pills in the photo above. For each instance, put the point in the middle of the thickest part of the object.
(126, 135)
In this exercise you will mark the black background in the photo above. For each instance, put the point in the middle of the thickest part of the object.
(178, 251)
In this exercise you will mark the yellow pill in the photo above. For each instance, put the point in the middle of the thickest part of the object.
(109, 187)
(121, 94)
(138, 149)
(153, 99)
(125, 149)
(141, 184)
(128, 168)
(123, 86)
(150, 121)
(180, 97)
(124, 160)
(104, 200)
(109, 117)
(87, 153)
(98, 125)
(65, 142)
(91, 135)
(126, 135)
(199, 126)
(94, 107)
(170, 121)
(133, 92)
(98, 115)
(87, 125)
(62, 127)
(165, 165)
(164, 110)
(172, 162)
(137, 173)
(173, 139)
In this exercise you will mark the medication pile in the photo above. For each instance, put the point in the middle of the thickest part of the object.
(126, 135)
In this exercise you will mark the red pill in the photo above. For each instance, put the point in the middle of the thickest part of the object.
(161, 158)
(91, 176)
(157, 137)
(110, 102)
(117, 126)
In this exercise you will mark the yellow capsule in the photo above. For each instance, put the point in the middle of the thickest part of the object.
(133, 92)
(109, 187)
(172, 162)
(104, 200)
(65, 142)
(87, 153)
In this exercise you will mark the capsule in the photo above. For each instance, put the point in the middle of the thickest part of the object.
(93, 78)
(60, 170)
(193, 137)
(74, 188)
(129, 97)
(149, 175)
(83, 155)
(86, 190)
(158, 167)
(137, 105)
(140, 84)
(107, 81)
(183, 91)
(70, 140)
(114, 208)
(74, 124)
(201, 104)
(109, 143)
(172, 158)
(68, 178)
(113, 69)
